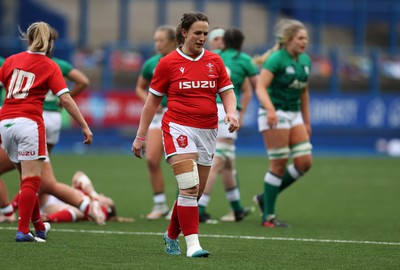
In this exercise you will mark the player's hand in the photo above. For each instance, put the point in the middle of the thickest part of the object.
(272, 119)
(88, 135)
(139, 147)
(233, 122)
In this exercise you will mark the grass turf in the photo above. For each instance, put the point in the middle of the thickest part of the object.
(340, 205)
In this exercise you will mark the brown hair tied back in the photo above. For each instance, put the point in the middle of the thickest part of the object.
(186, 22)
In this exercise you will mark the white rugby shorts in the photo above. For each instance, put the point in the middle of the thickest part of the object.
(286, 120)
(23, 139)
(179, 139)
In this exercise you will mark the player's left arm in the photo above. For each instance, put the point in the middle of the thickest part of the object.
(80, 80)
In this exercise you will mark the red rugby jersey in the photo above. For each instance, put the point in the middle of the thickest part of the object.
(27, 77)
(191, 85)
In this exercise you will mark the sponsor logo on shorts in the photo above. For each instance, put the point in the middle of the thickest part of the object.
(27, 153)
(182, 141)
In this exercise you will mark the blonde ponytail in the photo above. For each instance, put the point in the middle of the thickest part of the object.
(260, 59)
(38, 37)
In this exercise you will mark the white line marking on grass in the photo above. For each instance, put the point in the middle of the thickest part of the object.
(228, 237)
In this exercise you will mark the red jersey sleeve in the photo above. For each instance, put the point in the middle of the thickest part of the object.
(224, 82)
(160, 82)
(2, 82)
(57, 83)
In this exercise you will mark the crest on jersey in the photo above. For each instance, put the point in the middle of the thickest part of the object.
(210, 67)
(182, 141)
(290, 70)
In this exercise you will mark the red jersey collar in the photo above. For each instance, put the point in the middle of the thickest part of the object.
(188, 57)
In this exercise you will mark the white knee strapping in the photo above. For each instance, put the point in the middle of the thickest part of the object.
(186, 173)
(279, 153)
(301, 149)
(225, 150)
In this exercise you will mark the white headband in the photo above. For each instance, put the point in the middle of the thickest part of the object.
(219, 32)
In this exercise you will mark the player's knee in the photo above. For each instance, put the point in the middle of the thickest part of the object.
(301, 153)
(303, 164)
(187, 175)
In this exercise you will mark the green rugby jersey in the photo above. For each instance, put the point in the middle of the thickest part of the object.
(148, 72)
(239, 66)
(51, 101)
(290, 78)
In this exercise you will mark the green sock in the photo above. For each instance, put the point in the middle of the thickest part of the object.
(270, 194)
(236, 206)
(233, 196)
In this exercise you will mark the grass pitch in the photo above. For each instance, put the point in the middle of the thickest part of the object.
(344, 214)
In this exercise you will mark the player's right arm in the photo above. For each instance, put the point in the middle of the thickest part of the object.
(263, 82)
(69, 104)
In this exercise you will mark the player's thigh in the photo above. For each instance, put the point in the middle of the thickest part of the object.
(276, 138)
(298, 134)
